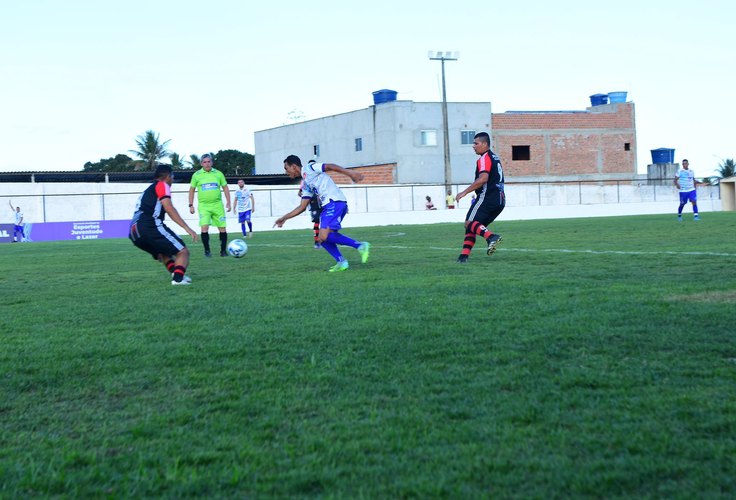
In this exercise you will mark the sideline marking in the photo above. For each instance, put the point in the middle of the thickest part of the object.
(533, 250)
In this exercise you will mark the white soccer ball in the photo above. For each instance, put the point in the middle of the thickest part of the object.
(237, 248)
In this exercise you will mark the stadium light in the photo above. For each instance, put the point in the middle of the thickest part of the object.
(442, 57)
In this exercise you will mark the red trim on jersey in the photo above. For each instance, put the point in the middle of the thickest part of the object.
(163, 190)
(484, 163)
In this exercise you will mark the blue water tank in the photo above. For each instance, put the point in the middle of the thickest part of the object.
(384, 95)
(616, 97)
(663, 155)
(598, 99)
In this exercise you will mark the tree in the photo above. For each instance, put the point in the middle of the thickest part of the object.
(119, 163)
(726, 168)
(195, 161)
(150, 150)
(178, 163)
(234, 162)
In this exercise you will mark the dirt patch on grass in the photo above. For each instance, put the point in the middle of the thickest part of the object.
(722, 296)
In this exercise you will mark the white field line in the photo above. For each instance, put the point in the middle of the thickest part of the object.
(531, 250)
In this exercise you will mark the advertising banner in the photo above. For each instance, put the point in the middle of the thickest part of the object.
(56, 231)
(6, 233)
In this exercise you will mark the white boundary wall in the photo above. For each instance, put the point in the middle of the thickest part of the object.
(369, 205)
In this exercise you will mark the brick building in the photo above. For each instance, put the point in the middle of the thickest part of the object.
(598, 143)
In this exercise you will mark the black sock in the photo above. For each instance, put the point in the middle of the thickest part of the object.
(206, 241)
(223, 241)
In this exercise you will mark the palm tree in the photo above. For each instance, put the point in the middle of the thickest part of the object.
(177, 162)
(195, 161)
(149, 149)
(726, 168)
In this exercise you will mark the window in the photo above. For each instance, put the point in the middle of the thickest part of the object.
(429, 137)
(315, 150)
(359, 144)
(627, 146)
(467, 136)
(520, 153)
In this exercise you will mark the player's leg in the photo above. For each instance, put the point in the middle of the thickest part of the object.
(205, 219)
(250, 224)
(328, 219)
(694, 201)
(241, 220)
(683, 200)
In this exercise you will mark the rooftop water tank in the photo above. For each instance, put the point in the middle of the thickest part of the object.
(616, 97)
(598, 99)
(663, 155)
(384, 95)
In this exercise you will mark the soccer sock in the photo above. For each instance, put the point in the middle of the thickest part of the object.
(679, 209)
(242, 228)
(250, 226)
(206, 241)
(476, 227)
(341, 239)
(695, 209)
(179, 273)
(332, 250)
(316, 232)
(468, 244)
(223, 241)
(170, 266)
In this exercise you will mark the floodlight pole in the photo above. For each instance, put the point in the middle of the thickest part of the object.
(442, 57)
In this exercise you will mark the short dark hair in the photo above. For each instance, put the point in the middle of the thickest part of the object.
(483, 136)
(293, 160)
(162, 171)
(683, 161)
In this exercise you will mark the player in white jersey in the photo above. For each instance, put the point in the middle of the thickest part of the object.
(316, 181)
(18, 224)
(245, 204)
(686, 183)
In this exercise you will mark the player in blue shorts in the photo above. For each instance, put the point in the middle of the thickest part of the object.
(316, 181)
(686, 183)
(245, 205)
(18, 234)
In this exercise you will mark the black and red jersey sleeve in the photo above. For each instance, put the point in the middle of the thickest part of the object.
(163, 190)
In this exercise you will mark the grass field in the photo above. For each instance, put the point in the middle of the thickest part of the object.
(586, 358)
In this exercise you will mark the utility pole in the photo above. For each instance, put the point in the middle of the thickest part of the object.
(442, 57)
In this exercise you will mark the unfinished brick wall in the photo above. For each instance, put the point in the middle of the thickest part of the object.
(373, 174)
(568, 143)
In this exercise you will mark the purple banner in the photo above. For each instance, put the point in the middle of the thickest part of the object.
(6, 233)
(89, 230)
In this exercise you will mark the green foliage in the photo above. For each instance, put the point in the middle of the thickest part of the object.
(195, 161)
(587, 358)
(233, 162)
(118, 163)
(727, 168)
(150, 149)
(178, 163)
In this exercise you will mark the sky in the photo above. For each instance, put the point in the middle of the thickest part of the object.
(81, 79)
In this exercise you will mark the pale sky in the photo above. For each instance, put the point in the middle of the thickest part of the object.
(82, 78)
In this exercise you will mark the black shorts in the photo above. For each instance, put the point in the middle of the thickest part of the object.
(486, 208)
(315, 215)
(155, 239)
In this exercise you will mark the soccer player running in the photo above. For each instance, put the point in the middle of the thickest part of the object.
(686, 183)
(316, 181)
(244, 204)
(149, 233)
(490, 201)
(208, 181)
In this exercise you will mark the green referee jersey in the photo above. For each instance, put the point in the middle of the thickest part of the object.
(208, 185)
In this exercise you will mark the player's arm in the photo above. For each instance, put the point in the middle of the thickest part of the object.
(252, 203)
(354, 176)
(191, 199)
(298, 210)
(173, 214)
(226, 190)
(482, 179)
(11, 205)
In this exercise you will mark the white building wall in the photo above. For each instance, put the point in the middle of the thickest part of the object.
(390, 132)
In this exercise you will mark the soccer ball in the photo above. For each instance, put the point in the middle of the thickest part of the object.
(237, 248)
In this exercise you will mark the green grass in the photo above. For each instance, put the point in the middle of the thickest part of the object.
(586, 358)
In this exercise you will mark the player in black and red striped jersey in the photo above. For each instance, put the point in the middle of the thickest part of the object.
(149, 233)
(490, 198)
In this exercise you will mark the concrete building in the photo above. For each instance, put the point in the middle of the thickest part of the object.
(402, 142)
(402, 139)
